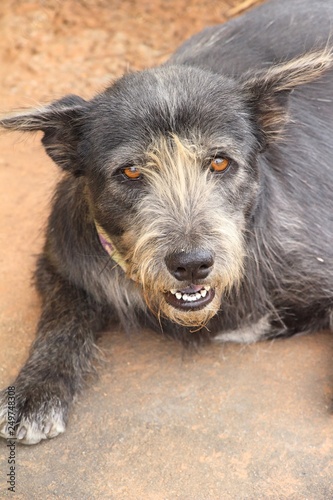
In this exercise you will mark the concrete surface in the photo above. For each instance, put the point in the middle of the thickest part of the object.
(227, 422)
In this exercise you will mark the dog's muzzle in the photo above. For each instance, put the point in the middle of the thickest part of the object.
(190, 267)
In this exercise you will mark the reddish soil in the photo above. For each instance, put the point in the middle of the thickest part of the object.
(228, 422)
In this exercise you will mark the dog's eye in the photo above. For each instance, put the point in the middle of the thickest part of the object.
(132, 173)
(219, 164)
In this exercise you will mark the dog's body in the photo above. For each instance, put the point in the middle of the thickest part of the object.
(197, 201)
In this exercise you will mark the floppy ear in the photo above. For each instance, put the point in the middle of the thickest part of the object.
(61, 123)
(268, 90)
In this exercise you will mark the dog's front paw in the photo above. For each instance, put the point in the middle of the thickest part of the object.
(31, 416)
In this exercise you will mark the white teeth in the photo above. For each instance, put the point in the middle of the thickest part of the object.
(190, 297)
(187, 297)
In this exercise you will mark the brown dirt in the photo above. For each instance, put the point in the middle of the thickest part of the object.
(226, 423)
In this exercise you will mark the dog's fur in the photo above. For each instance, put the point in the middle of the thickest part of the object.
(257, 91)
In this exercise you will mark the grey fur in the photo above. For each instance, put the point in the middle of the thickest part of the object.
(257, 91)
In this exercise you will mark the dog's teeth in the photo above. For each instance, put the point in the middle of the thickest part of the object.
(190, 297)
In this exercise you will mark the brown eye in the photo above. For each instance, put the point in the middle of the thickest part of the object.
(132, 173)
(219, 164)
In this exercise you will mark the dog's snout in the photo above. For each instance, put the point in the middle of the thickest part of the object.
(190, 266)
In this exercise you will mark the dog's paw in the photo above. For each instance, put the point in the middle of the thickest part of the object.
(33, 429)
(35, 419)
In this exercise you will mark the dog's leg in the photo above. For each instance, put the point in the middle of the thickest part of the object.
(61, 356)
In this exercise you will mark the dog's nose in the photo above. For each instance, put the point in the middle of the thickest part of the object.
(190, 266)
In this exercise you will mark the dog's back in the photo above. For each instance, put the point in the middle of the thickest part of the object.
(274, 32)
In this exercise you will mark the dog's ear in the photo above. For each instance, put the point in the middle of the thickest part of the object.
(268, 90)
(61, 122)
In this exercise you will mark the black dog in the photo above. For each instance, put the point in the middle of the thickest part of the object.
(197, 200)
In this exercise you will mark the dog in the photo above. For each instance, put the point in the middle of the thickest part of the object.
(196, 201)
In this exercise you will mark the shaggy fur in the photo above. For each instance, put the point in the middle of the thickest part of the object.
(237, 255)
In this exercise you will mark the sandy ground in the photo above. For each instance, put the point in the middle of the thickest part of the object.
(228, 422)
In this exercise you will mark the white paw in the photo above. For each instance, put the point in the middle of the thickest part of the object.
(32, 428)
(33, 431)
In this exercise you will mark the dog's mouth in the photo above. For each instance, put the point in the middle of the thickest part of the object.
(192, 298)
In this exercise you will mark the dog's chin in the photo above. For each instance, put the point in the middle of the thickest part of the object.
(188, 311)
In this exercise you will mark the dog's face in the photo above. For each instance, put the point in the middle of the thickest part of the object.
(170, 158)
(175, 153)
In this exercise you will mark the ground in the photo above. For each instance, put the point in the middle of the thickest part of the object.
(227, 422)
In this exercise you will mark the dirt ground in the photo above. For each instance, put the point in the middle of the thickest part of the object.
(229, 422)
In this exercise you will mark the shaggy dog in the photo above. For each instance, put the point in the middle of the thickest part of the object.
(196, 200)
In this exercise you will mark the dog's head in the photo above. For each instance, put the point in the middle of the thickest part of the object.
(170, 159)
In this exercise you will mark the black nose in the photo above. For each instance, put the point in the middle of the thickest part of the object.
(190, 266)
